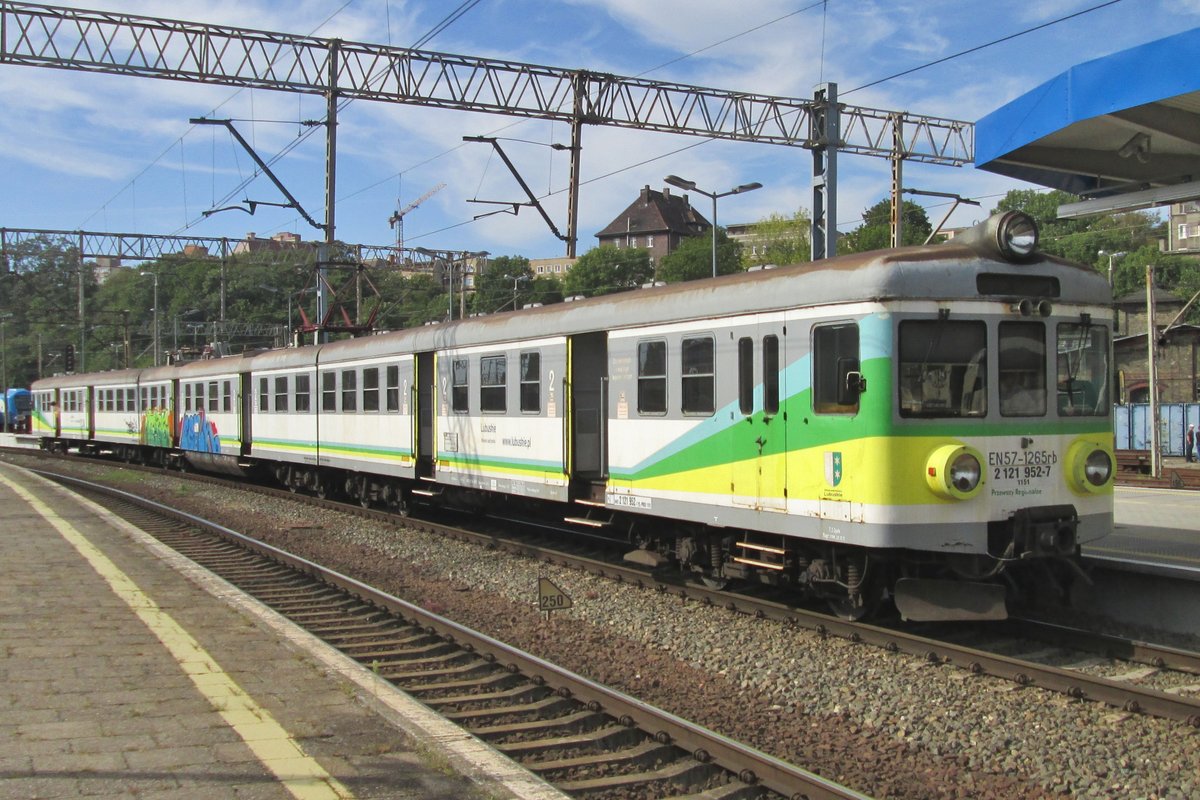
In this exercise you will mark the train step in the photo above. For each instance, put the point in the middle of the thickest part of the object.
(592, 503)
(587, 521)
(428, 492)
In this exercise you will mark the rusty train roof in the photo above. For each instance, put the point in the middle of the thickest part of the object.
(934, 272)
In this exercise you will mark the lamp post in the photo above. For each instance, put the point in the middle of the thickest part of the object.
(156, 348)
(690, 186)
(516, 279)
(1111, 256)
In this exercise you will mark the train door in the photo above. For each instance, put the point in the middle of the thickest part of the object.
(243, 404)
(586, 387)
(758, 450)
(173, 409)
(89, 395)
(422, 403)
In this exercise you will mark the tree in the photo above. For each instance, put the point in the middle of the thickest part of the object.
(875, 233)
(781, 240)
(503, 285)
(1080, 239)
(546, 289)
(604, 270)
(692, 259)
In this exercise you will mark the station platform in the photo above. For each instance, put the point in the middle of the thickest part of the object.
(1153, 530)
(128, 672)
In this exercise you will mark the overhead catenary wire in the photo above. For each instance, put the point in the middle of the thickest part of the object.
(984, 46)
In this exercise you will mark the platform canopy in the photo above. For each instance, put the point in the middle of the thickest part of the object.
(1122, 131)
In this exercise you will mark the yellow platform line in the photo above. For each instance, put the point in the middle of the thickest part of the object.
(267, 739)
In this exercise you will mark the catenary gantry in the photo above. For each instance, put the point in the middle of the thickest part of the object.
(99, 41)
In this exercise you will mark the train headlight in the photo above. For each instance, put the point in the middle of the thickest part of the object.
(1017, 235)
(1089, 467)
(954, 472)
(1097, 468)
(1011, 235)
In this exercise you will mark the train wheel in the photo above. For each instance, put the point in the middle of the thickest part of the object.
(865, 594)
(403, 506)
(364, 491)
(321, 488)
(856, 608)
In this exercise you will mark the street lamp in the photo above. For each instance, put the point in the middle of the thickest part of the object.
(516, 279)
(1111, 256)
(690, 186)
(156, 348)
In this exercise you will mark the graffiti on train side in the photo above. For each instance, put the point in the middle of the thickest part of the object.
(199, 434)
(156, 427)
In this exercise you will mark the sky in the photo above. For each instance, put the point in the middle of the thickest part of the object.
(82, 151)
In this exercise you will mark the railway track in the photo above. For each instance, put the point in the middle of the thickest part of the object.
(1063, 669)
(586, 739)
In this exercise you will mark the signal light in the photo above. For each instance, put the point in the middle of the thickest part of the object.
(69, 358)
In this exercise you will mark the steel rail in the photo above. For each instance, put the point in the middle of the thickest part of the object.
(750, 765)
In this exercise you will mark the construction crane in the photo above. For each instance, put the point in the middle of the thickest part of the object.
(397, 219)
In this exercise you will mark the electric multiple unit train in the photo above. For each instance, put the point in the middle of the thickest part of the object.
(930, 423)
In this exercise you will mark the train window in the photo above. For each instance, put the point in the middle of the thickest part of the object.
(652, 377)
(393, 388)
(371, 389)
(214, 397)
(349, 390)
(771, 375)
(696, 359)
(131, 399)
(746, 376)
(943, 368)
(1022, 364)
(187, 397)
(835, 359)
(302, 394)
(227, 396)
(198, 396)
(281, 393)
(329, 391)
(531, 382)
(1083, 370)
(459, 369)
(264, 395)
(493, 383)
